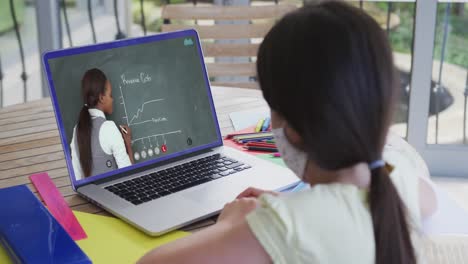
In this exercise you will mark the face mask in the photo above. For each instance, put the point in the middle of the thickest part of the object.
(295, 159)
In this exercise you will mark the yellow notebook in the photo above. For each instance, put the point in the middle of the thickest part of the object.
(110, 240)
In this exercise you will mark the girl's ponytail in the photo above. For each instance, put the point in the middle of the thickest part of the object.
(92, 87)
(391, 232)
(83, 129)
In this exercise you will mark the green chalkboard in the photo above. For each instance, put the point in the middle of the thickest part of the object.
(159, 90)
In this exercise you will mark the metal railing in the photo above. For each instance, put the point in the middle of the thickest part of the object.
(23, 76)
(389, 13)
(120, 34)
(436, 92)
(465, 109)
(1, 82)
(438, 88)
(142, 17)
(67, 23)
(91, 21)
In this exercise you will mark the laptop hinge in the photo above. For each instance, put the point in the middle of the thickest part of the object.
(151, 166)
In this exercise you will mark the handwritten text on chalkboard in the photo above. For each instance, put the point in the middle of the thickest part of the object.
(142, 78)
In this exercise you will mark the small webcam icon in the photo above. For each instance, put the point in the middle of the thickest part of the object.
(188, 42)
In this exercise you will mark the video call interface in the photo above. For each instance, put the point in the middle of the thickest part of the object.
(159, 92)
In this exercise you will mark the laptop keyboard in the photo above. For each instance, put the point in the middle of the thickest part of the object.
(158, 184)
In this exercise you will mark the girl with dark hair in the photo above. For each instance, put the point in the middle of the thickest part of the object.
(97, 145)
(327, 73)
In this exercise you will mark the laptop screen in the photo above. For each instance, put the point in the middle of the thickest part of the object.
(131, 103)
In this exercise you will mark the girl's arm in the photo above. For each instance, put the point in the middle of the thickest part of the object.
(112, 142)
(228, 241)
(128, 147)
(427, 195)
(427, 198)
(127, 137)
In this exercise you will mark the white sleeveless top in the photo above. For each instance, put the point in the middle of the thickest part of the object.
(110, 140)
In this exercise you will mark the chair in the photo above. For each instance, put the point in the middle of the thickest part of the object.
(215, 37)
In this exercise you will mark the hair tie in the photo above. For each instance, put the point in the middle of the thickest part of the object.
(376, 164)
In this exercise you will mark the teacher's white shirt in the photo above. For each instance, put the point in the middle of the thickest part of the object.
(111, 142)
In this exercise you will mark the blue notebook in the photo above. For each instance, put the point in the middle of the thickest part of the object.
(30, 234)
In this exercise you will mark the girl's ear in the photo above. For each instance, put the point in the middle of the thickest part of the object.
(101, 98)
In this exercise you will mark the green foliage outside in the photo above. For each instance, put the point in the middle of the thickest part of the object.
(152, 12)
(457, 42)
(456, 51)
(6, 22)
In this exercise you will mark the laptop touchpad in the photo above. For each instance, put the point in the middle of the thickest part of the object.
(210, 194)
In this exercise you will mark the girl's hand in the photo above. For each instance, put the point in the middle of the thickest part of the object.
(255, 193)
(235, 211)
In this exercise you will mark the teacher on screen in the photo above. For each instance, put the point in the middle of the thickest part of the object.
(98, 146)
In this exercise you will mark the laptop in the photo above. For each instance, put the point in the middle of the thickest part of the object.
(181, 172)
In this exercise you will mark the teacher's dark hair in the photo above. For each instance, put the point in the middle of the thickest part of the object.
(328, 70)
(93, 85)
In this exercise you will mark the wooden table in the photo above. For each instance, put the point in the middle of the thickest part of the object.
(30, 143)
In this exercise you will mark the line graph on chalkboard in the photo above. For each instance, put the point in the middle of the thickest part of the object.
(139, 112)
(148, 145)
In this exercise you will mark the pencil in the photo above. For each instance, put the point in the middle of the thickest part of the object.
(252, 140)
(254, 136)
(259, 126)
(260, 144)
(261, 149)
(266, 124)
(229, 136)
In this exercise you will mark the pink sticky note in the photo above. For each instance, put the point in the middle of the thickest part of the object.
(57, 206)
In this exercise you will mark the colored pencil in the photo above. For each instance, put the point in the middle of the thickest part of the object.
(259, 137)
(229, 136)
(266, 124)
(252, 136)
(252, 140)
(258, 144)
(259, 126)
(261, 149)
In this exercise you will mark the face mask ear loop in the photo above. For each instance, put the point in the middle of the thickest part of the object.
(376, 164)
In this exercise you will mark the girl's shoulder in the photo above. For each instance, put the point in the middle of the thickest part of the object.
(109, 125)
(334, 198)
(110, 132)
(313, 222)
(320, 207)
